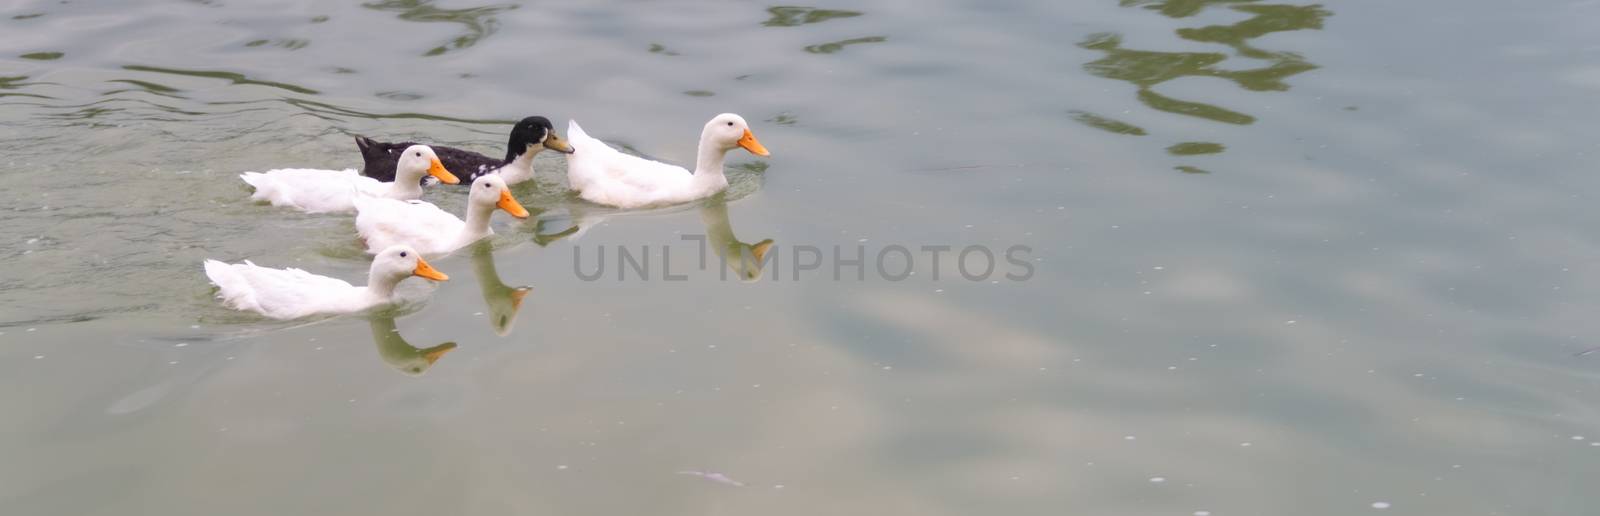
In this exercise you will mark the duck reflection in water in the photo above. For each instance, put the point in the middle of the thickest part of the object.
(538, 225)
(745, 260)
(503, 301)
(399, 354)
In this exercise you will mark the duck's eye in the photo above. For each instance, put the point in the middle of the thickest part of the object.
(730, 124)
(419, 154)
(403, 254)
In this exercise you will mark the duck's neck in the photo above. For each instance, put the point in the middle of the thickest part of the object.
(518, 167)
(517, 147)
(477, 225)
(380, 287)
(406, 186)
(708, 167)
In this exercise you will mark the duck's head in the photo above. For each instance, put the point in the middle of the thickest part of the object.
(490, 191)
(419, 160)
(728, 130)
(534, 134)
(401, 261)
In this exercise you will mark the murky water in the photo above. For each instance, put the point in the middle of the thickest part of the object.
(1285, 259)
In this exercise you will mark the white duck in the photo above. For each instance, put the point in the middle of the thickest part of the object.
(386, 222)
(606, 176)
(324, 191)
(294, 293)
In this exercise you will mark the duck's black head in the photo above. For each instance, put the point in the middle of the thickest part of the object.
(531, 131)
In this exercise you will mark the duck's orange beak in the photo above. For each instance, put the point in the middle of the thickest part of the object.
(510, 204)
(516, 297)
(427, 271)
(436, 169)
(555, 143)
(750, 143)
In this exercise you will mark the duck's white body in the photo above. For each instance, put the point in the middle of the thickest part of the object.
(604, 175)
(328, 191)
(385, 222)
(294, 293)
(317, 191)
(389, 222)
(287, 293)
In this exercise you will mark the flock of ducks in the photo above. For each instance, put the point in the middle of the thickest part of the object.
(400, 229)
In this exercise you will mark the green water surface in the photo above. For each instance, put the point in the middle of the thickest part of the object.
(1286, 258)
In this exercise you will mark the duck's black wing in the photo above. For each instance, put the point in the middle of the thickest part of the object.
(465, 164)
(380, 158)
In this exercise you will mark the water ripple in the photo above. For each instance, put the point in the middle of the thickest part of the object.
(479, 22)
(1146, 69)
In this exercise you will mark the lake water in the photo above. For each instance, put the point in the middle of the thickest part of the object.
(1272, 258)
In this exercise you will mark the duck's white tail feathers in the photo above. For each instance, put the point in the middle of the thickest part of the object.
(589, 161)
(233, 289)
(266, 187)
(573, 131)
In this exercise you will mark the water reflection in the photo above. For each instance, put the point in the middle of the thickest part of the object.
(322, 110)
(793, 16)
(503, 300)
(790, 16)
(744, 259)
(1267, 19)
(399, 354)
(1106, 124)
(1146, 68)
(236, 78)
(16, 82)
(545, 238)
(479, 22)
(334, 112)
(146, 87)
(829, 48)
(784, 118)
(284, 43)
(1195, 148)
